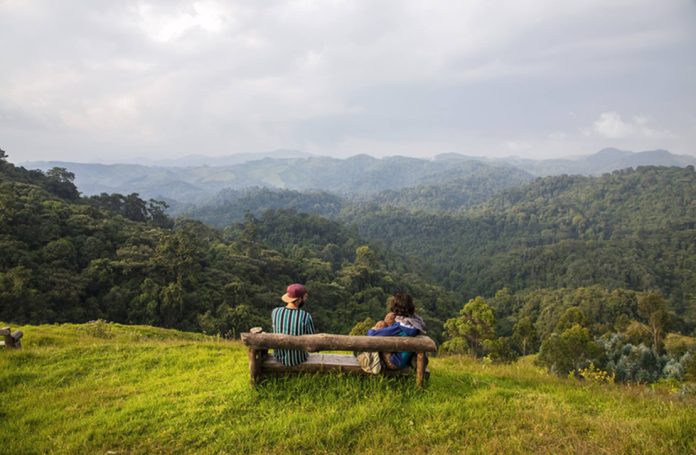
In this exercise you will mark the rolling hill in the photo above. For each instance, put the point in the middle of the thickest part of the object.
(360, 174)
(110, 388)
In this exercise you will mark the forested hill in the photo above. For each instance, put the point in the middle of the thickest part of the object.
(633, 229)
(622, 203)
(230, 206)
(72, 258)
(360, 174)
(68, 258)
(455, 192)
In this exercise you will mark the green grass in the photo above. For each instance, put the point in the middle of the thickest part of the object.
(97, 387)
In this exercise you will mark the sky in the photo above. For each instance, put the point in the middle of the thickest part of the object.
(106, 81)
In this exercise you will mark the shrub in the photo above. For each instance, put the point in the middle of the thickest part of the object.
(638, 364)
(673, 370)
(677, 345)
(454, 346)
(500, 350)
(688, 362)
(595, 375)
(570, 351)
(362, 327)
(637, 333)
(97, 329)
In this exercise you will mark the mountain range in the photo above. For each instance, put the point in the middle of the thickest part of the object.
(606, 160)
(198, 179)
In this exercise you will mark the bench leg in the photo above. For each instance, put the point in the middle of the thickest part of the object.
(420, 368)
(10, 342)
(256, 358)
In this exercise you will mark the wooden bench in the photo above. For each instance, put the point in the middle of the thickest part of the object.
(260, 362)
(11, 340)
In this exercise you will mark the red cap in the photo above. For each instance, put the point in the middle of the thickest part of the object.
(296, 291)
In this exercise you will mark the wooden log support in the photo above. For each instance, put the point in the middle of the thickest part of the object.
(256, 358)
(420, 368)
(260, 362)
(17, 337)
(329, 342)
(12, 340)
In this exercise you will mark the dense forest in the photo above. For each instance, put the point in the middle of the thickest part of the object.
(453, 189)
(590, 272)
(231, 206)
(632, 229)
(68, 258)
(591, 333)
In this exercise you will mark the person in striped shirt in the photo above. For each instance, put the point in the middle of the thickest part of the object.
(292, 320)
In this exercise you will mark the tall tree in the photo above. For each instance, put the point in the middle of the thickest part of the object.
(654, 310)
(524, 335)
(60, 182)
(476, 323)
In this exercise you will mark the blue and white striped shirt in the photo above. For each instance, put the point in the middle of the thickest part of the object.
(290, 321)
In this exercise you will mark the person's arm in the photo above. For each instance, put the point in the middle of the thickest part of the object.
(309, 325)
(273, 319)
(393, 330)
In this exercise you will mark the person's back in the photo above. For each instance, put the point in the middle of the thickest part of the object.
(406, 323)
(291, 320)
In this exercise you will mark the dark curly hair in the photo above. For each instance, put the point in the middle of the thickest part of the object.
(401, 304)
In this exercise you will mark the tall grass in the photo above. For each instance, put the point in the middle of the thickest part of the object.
(101, 387)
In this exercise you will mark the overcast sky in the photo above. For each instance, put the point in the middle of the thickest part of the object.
(97, 80)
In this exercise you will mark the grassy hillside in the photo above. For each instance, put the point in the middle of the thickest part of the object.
(99, 387)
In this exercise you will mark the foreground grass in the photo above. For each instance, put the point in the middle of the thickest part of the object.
(99, 388)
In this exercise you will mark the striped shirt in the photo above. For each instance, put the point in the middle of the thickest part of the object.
(291, 321)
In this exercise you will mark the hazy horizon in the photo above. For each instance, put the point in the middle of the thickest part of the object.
(206, 160)
(98, 81)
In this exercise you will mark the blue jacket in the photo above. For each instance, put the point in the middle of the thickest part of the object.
(400, 359)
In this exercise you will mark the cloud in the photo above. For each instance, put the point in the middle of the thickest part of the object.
(611, 126)
(163, 26)
(212, 76)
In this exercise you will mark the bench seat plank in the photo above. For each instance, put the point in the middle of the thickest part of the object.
(329, 342)
(345, 363)
(316, 362)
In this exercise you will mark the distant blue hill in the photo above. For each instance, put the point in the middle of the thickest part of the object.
(606, 160)
(360, 174)
(187, 180)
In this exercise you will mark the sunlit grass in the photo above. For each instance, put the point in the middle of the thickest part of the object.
(107, 387)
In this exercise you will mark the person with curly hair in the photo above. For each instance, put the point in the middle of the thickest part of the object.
(407, 323)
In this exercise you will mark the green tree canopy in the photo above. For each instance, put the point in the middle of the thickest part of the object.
(569, 351)
(654, 310)
(476, 323)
